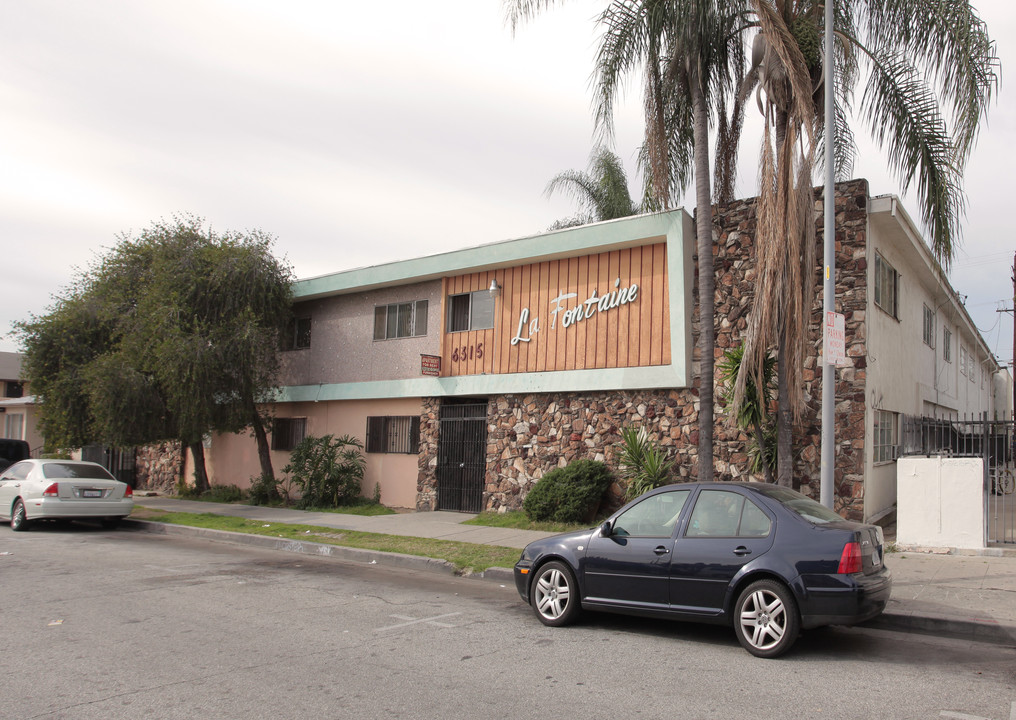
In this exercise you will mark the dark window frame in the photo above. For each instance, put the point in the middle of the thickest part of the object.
(887, 287)
(298, 333)
(288, 432)
(391, 323)
(393, 434)
(477, 313)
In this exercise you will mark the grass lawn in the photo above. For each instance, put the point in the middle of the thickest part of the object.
(518, 520)
(467, 557)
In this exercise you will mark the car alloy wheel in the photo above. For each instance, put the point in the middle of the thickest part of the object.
(766, 619)
(555, 594)
(19, 520)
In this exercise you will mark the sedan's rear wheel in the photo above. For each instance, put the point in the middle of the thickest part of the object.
(765, 619)
(19, 519)
(555, 595)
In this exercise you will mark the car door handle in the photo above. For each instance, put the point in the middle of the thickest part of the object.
(741, 550)
(661, 550)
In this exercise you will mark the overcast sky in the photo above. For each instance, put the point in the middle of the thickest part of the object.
(356, 133)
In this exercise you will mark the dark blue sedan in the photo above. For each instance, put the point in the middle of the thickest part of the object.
(763, 558)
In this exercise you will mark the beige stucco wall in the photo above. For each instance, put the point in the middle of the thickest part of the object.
(904, 374)
(233, 460)
(342, 347)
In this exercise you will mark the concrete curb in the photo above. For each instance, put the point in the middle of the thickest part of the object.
(984, 631)
(357, 555)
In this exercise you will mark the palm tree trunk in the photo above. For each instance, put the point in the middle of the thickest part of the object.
(784, 427)
(706, 278)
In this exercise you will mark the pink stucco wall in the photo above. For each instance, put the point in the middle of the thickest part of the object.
(232, 459)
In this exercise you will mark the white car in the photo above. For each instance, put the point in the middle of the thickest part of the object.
(62, 490)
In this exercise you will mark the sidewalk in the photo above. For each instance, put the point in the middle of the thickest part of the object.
(966, 596)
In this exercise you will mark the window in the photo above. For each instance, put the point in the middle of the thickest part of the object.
(288, 432)
(400, 320)
(886, 286)
(886, 436)
(14, 426)
(963, 361)
(14, 389)
(946, 344)
(929, 327)
(719, 513)
(655, 516)
(470, 311)
(393, 434)
(297, 335)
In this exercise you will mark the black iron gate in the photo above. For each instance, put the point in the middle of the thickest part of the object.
(120, 462)
(462, 456)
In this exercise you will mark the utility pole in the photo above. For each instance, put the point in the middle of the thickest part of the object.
(828, 448)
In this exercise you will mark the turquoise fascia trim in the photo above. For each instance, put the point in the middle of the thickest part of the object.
(599, 237)
(661, 376)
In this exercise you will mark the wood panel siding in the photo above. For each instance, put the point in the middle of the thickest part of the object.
(567, 314)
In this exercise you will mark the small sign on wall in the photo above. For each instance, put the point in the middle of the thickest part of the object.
(430, 365)
(835, 349)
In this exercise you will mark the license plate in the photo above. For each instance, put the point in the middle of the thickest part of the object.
(91, 493)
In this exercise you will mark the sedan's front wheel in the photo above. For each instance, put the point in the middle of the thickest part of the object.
(555, 594)
(19, 520)
(765, 619)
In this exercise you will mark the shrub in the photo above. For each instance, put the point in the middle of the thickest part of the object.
(570, 494)
(264, 490)
(328, 470)
(223, 494)
(644, 465)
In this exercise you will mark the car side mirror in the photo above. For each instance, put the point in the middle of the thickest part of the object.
(605, 529)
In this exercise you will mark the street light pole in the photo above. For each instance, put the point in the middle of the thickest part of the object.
(826, 487)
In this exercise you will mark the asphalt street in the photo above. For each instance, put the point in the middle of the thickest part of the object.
(102, 624)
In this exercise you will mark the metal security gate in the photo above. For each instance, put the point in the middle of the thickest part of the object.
(119, 461)
(462, 456)
(992, 440)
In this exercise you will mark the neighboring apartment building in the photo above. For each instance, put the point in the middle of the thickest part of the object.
(17, 408)
(469, 375)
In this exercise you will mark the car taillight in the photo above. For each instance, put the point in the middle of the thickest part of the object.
(52, 491)
(129, 492)
(850, 559)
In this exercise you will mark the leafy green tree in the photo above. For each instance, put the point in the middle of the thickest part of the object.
(171, 334)
(601, 191)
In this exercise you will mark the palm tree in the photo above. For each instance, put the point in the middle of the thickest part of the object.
(686, 49)
(602, 191)
(910, 49)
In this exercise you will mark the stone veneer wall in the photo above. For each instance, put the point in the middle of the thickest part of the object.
(158, 467)
(528, 435)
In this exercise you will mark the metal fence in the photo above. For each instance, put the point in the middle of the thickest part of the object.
(991, 440)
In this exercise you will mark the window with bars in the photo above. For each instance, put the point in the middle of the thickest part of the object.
(400, 320)
(288, 432)
(886, 436)
(297, 335)
(947, 344)
(393, 434)
(886, 286)
(470, 311)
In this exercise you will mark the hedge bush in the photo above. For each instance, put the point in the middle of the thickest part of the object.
(570, 494)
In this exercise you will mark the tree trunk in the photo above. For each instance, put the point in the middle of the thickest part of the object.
(200, 474)
(763, 451)
(784, 425)
(706, 278)
(264, 450)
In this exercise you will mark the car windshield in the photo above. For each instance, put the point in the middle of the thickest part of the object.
(75, 470)
(802, 505)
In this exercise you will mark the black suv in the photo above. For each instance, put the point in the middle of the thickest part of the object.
(12, 451)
